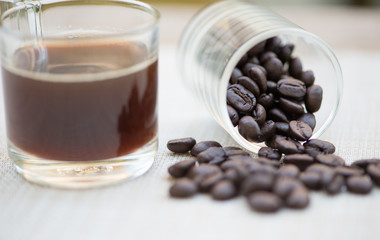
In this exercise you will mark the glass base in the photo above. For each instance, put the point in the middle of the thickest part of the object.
(86, 174)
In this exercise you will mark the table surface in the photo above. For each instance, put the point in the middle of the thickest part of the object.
(142, 209)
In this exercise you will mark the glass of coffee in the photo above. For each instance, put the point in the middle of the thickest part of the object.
(80, 90)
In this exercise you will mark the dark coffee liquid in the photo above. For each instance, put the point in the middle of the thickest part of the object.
(64, 113)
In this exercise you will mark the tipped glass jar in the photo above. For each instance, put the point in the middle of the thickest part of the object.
(219, 36)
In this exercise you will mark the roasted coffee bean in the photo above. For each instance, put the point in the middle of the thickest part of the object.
(207, 183)
(201, 146)
(299, 130)
(268, 130)
(312, 180)
(264, 202)
(285, 185)
(307, 77)
(363, 163)
(327, 173)
(295, 67)
(183, 188)
(259, 181)
(313, 99)
(266, 100)
(242, 60)
(288, 170)
(247, 67)
(282, 128)
(269, 153)
(265, 56)
(277, 115)
(253, 60)
(259, 114)
(298, 198)
(274, 68)
(349, 171)
(330, 160)
(249, 128)
(266, 161)
(203, 170)
(273, 44)
(302, 161)
(180, 169)
(320, 146)
(287, 145)
(258, 75)
(250, 85)
(336, 185)
(232, 175)
(373, 171)
(235, 151)
(272, 87)
(234, 163)
(286, 52)
(309, 119)
(291, 88)
(240, 98)
(236, 73)
(291, 107)
(223, 190)
(181, 145)
(234, 115)
(359, 184)
(213, 155)
(258, 48)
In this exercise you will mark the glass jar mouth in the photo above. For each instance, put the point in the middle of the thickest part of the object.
(242, 50)
(36, 6)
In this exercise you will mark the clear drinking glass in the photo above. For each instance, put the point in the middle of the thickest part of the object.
(219, 35)
(80, 90)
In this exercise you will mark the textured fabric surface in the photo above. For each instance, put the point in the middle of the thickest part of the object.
(141, 208)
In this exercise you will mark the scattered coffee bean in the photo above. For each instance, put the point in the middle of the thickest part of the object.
(330, 160)
(289, 170)
(363, 163)
(203, 170)
(249, 128)
(300, 130)
(285, 185)
(309, 119)
(287, 145)
(260, 181)
(282, 128)
(207, 183)
(201, 146)
(336, 185)
(302, 161)
(269, 153)
(298, 198)
(235, 151)
(349, 171)
(313, 99)
(181, 145)
(183, 188)
(320, 146)
(327, 173)
(374, 172)
(312, 180)
(223, 190)
(264, 202)
(181, 169)
(212, 155)
(359, 184)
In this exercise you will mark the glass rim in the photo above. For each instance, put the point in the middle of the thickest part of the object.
(133, 4)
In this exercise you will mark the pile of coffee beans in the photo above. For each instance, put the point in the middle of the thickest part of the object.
(269, 93)
(268, 182)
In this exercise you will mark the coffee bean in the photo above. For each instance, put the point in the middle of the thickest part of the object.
(242, 60)
(291, 88)
(269, 153)
(309, 119)
(282, 128)
(234, 163)
(298, 198)
(181, 145)
(374, 172)
(258, 76)
(295, 67)
(258, 48)
(274, 67)
(349, 171)
(259, 114)
(223, 190)
(235, 151)
(307, 77)
(336, 185)
(250, 85)
(330, 160)
(213, 155)
(302, 161)
(232, 175)
(327, 173)
(288, 170)
(234, 115)
(287, 145)
(249, 128)
(300, 130)
(265, 56)
(286, 52)
(285, 185)
(267, 161)
(203, 170)
(277, 115)
(268, 130)
(359, 184)
(208, 182)
(259, 181)
(247, 67)
(312, 180)
(236, 73)
(320, 146)
(254, 60)
(272, 87)
(363, 163)
(183, 188)
(180, 169)
(264, 202)
(240, 98)
(273, 44)
(313, 99)
(201, 146)
(266, 100)
(291, 107)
